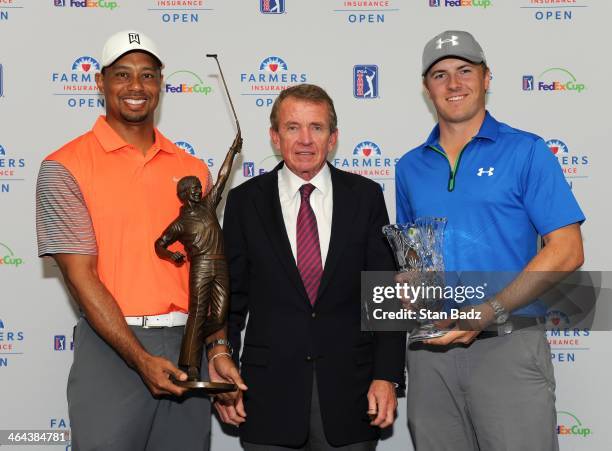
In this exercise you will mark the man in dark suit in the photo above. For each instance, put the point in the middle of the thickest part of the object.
(296, 240)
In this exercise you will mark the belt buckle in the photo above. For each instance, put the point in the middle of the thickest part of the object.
(145, 324)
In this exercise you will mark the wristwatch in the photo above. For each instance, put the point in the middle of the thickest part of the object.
(501, 315)
(219, 342)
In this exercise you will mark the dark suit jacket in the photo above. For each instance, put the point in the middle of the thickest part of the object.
(286, 337)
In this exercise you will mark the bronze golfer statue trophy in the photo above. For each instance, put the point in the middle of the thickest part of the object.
(197, 229)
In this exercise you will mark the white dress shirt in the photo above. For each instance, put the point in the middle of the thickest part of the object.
(321, 201)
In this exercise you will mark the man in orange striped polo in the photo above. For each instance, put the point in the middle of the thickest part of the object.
(102, 200)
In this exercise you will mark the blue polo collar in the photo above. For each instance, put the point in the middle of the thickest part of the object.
(488, 130)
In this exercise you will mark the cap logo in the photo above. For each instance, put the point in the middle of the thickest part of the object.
(133, 37)
(453, 41)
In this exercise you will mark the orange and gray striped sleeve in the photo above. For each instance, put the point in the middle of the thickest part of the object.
(63, 222)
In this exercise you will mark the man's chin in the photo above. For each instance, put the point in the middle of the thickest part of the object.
(137, 118)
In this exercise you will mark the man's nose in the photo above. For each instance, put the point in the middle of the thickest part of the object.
(305, 136)
(453, 81)
(135, 83)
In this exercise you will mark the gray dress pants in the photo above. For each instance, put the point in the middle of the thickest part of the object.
(498, 394)
(111, 408)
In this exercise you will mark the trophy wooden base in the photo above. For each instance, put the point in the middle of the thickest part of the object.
(206, 387)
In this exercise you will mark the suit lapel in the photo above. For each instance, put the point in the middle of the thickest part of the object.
(344, 209)
(269, 209)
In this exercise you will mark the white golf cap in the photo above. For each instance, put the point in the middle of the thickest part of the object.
(127, 41)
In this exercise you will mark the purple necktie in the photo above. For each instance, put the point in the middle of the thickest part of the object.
(308, 249)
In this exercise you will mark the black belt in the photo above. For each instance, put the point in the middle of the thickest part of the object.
(513, 323)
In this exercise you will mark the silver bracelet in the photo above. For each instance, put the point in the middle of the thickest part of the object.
(218, 354)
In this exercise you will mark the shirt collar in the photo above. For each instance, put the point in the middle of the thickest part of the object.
(291, 183)
(110, 140)
(488, 130)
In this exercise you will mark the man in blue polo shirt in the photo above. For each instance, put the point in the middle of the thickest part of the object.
(489, 386)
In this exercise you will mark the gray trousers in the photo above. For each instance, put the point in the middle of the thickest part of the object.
(498, 394)
(316, 436)
(110, 407)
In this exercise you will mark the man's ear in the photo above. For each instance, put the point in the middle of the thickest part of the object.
(275, 138)
(100, 82)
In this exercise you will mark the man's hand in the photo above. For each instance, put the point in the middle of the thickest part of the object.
(223, 369)
(229, 406)
(382, 403)
(465, 331)
(156, 371)
(231, 412)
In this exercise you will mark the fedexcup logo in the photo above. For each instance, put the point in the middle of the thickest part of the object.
(86, 4)
(8, 257)
(568, 424)
(186, 82)
(555, 79)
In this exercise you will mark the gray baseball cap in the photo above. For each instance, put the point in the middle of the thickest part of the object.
(449, 44)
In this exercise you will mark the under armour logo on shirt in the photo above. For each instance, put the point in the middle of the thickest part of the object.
(481, 171)
(453, 41)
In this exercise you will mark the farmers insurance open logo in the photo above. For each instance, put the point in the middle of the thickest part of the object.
(11, 170)
(574, 165)
(272, 77)
(10, 342)
(78, 87)
(365, 11)
(553, 10)
(187, 147)
(367, 159)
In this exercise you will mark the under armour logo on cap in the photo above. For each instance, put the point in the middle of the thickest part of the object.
(452, 44)
(453, 41)
(134, 37)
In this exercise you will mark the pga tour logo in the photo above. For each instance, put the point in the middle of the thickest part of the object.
(365, 81)
(272, 6)
(248, 169)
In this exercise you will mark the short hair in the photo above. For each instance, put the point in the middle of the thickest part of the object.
(308, 93)
(184, 184)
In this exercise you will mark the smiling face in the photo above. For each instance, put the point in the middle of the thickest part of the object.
(303, 137)
(457, 89)
(131, 87)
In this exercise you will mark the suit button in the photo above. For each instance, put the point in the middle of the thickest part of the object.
(314, 315)
(309, 359)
